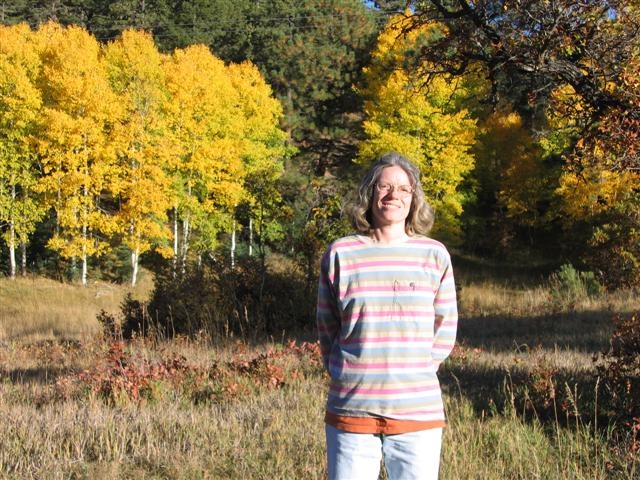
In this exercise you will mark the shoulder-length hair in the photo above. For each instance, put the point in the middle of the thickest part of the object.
(421, 214)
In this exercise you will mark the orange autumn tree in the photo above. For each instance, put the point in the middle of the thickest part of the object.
(598, 188)
(512, 166)
(570, 69)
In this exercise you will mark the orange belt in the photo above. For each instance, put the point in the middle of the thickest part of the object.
(387, 426)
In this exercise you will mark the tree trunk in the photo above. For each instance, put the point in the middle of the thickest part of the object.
(85, 267)
(175, 242)
(12, 251)
(23, 263)
(12, 239)
(233, 245)
(185, 244)
(250, 237)
(135, 255)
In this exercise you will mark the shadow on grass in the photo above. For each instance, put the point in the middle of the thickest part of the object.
(47, 361)
(557, 395)
(536, 366)
(577, 331)
(42, 375)
(509, 272)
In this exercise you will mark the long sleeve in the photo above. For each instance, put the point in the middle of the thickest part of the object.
(386, 319)
(327, 317)
(446, 315)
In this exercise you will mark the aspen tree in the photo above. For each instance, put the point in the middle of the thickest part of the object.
(140, 182)
(73, 143)
(425, 124)
(207, 164)
(20, 103)
(264, 150)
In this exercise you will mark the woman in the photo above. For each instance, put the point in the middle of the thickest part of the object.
(386, 319)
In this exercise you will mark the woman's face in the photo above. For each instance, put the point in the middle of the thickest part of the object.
(392, 196)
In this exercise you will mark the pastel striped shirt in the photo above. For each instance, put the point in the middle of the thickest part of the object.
(386, 318)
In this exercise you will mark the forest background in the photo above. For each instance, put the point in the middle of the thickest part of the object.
(200, 131)
(216, 145)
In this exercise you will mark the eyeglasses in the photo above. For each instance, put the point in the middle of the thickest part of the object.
(402, 190)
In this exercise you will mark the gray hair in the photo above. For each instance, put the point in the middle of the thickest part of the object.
(421, 214)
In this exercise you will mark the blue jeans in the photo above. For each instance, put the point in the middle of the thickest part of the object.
(407, 456)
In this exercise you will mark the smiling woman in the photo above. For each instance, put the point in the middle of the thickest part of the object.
(386, 319)
(391, 204)
(419, 219)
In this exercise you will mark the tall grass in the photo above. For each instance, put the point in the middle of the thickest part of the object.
(37, 308)
(515, 391)
(508, 446)
(270, 435)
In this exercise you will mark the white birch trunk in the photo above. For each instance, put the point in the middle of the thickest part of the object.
(250, 237)
(12, 239)
(233, 245)
(135, 255)
(85, 267)
(23, 247)
(185, 243)
(175, 241)
(85, 239)
(12, 250)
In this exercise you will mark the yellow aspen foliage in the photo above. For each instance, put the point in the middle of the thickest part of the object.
(73, 143)
(594, 187)
(263, 147)
(20, 65)
(122, 135)
(140, 180)
(421, 119)
(20, 103)
(595, 190)
(207, 163)
(507, 147)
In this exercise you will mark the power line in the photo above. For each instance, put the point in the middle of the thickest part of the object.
(296, 23)
(311, 22)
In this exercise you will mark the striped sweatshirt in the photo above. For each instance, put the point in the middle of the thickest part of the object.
(386, 318)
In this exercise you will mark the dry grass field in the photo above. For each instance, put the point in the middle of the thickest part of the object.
(521, 399)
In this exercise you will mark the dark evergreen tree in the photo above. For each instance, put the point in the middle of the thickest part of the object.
(106, 20)
(312, 53)
(224, 25)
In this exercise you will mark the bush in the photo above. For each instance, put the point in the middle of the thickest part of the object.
(133, 321)
(619, 371)
(218, 301)
(569, 285)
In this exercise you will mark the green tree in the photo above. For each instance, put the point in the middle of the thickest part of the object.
(312, 53)
(223, 25)
(12, 11)
(311, 56)
(108, 20)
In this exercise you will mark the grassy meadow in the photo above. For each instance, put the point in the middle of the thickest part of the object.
(521, 400)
